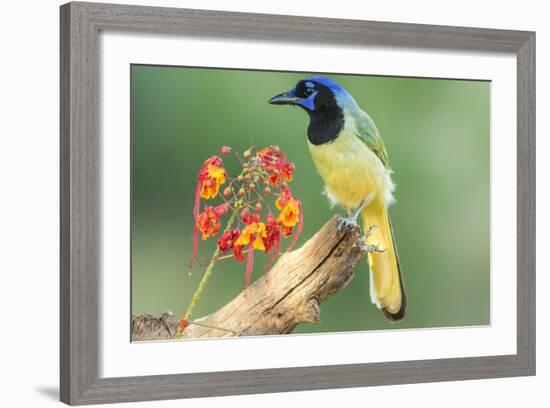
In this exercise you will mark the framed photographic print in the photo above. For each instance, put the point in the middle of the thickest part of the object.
(259, 203)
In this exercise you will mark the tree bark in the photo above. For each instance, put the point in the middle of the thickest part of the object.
(289, 294)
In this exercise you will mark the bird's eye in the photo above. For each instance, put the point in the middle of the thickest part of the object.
(308, 91)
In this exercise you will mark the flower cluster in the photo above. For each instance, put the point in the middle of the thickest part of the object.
(264, 177)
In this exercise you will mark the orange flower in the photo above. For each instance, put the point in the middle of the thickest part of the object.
(211, 176)
(214, 176)
(289, 215)
(253, 232)
(252, 235)
(208, 222)
(281, 202)
(267, 167)
(264, 152)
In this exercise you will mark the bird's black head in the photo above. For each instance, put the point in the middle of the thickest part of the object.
(318, 97)
(312, 95)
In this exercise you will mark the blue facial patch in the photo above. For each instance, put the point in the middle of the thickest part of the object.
(309, 102)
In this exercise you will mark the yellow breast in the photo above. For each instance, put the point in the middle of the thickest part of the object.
(351, 171)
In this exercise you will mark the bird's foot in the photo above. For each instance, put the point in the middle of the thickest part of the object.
(346, 223)
(351, 220)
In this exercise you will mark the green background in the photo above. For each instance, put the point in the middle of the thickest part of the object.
(437, 133)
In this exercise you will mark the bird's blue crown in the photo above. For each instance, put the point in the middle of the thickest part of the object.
(342, 96)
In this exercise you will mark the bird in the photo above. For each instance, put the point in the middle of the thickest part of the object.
(349, 154)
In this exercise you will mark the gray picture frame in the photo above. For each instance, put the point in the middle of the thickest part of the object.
(81, 24)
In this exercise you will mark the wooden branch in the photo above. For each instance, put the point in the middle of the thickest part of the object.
(289, 294)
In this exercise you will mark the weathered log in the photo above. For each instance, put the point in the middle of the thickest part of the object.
(289, 294)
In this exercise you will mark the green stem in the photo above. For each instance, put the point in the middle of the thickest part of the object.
(209, 269)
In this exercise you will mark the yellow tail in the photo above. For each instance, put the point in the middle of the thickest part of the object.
(386, 280)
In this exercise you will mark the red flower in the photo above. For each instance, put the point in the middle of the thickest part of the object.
(227, 240)
(273, 234)
(208, 222)
(286, 171)
(276, 164)
(272, 241)
(211, 176)
(248, 218)
(273, 178)
(287, 231)
(238, 252)
(260, 229)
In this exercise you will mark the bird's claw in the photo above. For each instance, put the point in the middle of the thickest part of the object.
(344, 223)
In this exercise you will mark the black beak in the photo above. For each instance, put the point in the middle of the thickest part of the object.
(286, 98)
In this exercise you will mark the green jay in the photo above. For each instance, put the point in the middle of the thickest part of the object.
(350, 156)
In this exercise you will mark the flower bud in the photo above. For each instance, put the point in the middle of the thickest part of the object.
(275, 148)
(225, 150)
(227, 192)
(247, 154)
(241, 191)
(267, 191)
(222, 209)
(252, 186)
(258, 207)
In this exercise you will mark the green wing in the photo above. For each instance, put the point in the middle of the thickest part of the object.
(368, 133)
